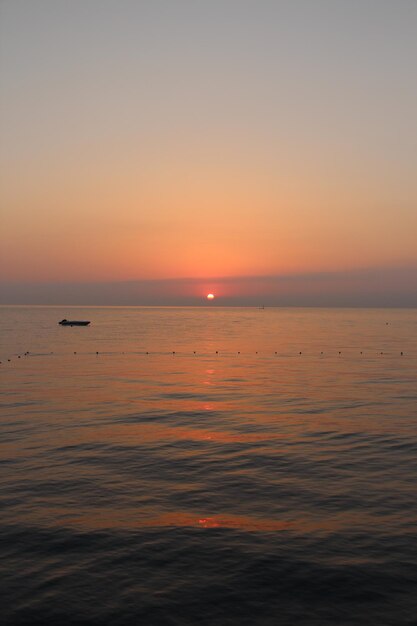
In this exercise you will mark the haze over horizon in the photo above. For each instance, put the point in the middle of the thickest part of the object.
(154, 152)
(360, 288)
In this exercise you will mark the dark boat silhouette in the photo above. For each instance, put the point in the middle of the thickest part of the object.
(73, 323)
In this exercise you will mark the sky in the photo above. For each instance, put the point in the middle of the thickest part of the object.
(155, 151)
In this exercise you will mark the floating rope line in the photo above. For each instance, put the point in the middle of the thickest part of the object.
(209, 354)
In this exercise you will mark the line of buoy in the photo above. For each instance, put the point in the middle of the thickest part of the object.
(216, 352)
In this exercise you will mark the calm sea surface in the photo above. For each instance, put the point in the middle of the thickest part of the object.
(210, 467)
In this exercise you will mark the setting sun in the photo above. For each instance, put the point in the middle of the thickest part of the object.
(210, 296)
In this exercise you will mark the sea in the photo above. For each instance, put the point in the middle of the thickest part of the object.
(208, 467)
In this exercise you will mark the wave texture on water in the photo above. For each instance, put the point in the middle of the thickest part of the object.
(195, 485)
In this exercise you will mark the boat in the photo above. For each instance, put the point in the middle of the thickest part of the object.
(73, 323)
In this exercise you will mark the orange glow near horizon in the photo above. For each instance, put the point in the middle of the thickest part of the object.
(210, 296)
(247, 231)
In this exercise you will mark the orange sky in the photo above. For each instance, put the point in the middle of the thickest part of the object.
(160, 144)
